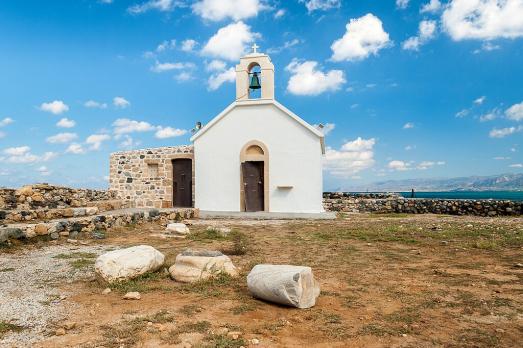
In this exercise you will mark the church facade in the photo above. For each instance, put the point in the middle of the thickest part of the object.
(256, 155)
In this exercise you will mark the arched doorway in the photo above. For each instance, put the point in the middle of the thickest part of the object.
(254, 178)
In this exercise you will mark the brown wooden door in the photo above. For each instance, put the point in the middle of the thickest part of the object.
(182, 183)
(253, 186)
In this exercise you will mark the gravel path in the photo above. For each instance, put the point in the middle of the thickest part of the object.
(29, 289)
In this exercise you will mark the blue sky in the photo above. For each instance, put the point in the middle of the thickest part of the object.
(407, 89)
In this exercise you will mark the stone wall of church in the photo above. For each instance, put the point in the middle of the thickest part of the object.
(144, 178)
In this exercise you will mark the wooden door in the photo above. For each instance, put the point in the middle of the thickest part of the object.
(253, 186)
(182, 183)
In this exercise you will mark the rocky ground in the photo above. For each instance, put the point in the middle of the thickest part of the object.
(386, 281)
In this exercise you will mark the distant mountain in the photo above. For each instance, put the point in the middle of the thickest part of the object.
(504, 182)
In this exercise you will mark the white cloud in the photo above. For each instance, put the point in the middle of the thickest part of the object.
(501, 158)
(408, 125)
(166, 45)
(61, 138)
(398, 165)
(426, 31)
(462, 113)
(127, 126)
(280, 13)
(129, 143)
(230, 42)
(75, 148)
(217, 10)
(168, 132)
(43, 171)
(402, 3)
(162, 67)
(307, 79)
(410, 147)
(353, 157)
(22, 154)
(160, 5)
(503, 132)
(96, 140)
(313, 5)
(487, 46)
(480, 100)
(17, 151)
(286, 45)
(2, 135)
(364, 37)
(216, 80)
(429, 164)
(516, 165)
(216, 65)
(6, 121)
(515, 112)
(483, 19)
(489, 116)
(326, 128)
(184, 76)
(121, 102)
(92, 104)
(66, 123)
(432, 6)
(56, 107)
(189, 45)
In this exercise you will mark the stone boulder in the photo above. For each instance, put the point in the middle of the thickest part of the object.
(177, 228)
(284, 284)
(128, 263)
(192, 266)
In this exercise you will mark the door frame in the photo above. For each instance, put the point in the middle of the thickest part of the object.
(245, 156)
(169, 162)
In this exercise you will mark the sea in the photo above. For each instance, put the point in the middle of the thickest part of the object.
(502, 195)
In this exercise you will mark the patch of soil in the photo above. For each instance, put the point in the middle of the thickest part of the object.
(402, 281)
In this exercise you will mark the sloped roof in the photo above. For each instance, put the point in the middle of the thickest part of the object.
(261, 102)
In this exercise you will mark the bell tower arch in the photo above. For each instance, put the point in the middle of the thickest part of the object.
(245, 72)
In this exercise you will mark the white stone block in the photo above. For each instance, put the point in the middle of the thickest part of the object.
(192, 266)
(128, 263)
(178, 228)
(284, 284)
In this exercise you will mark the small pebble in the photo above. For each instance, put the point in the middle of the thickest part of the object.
(132, 296)
(60, 332)
(106, 291)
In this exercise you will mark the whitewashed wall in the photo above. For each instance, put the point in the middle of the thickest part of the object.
(295, 159)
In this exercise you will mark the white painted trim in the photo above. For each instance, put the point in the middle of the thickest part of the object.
(261, 102)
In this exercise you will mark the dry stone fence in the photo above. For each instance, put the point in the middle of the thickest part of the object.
(394, 203)
(54, 212)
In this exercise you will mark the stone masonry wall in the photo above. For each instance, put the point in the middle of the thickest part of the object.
(144, 178)
(50, 197)
(393, 203)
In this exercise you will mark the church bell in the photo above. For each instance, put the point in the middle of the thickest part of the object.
(255, 81)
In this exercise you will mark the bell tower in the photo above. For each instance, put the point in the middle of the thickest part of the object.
(255, 70)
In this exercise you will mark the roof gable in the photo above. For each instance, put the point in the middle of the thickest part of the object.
(261, 102)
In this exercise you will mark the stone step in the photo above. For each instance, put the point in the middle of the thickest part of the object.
(46, 214)
(92, 226)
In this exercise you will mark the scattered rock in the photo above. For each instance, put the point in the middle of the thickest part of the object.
(106, 291)
(223, 231)
(60, 331)
(518, 265)
(234, 334)
(192, 266)
(72, 241)
(128, 263)
(255, 341)
(284, 284)
(178, 228)
(69, 325)
(132, 296)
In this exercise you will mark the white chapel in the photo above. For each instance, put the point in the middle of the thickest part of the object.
(254, 156)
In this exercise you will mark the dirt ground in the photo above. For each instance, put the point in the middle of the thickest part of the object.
(386, 281)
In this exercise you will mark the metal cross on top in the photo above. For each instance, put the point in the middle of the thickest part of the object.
(255, 48)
